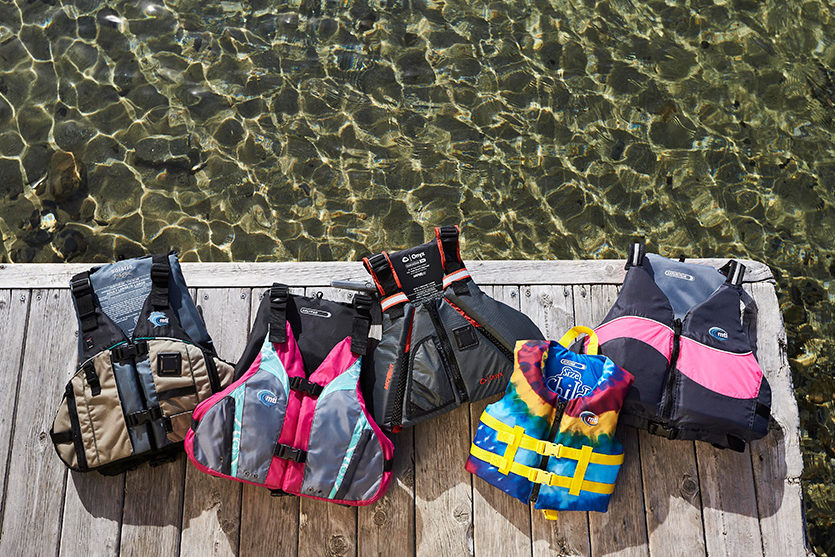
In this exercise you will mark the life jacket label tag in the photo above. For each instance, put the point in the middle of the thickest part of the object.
(718, 333)
(679, 275)
(572, 363)
(315, 312)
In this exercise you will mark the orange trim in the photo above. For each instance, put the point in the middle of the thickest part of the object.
(458, 245)
(393, 272)
(409, 336)
(472, 321)
(373, 276)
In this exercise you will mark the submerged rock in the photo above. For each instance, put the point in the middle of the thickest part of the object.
(66, 176)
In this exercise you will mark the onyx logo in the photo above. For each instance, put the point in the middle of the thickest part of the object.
(589, 418)
(267, 398)
(413, 257)
(678, 275)
(488, 378)
(315, 312)
(718, 333)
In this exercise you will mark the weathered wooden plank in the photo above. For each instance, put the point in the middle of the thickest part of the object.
(14, 312)
(552, 309)
(206, 275)
(325, 528)
(92, 514)
(777, 460)
(729, 503)
(269, 525)
(212, 506)
(36, 476)
(501, 524)
(671, 496)
(623, 529)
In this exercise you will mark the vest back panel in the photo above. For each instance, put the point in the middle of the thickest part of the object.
(445, 342)
(295, 421)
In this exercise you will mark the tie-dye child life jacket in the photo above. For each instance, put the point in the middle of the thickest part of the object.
(295, 420)
(551, 439)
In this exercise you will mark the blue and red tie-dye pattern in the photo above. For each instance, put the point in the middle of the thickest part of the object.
(531, 404)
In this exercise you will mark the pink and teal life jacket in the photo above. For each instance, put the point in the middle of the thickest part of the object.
(295, 420)
(551, 439)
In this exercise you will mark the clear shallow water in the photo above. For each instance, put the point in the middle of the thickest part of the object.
(326, 130)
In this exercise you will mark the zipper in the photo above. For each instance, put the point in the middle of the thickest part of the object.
(447, 354)
(402, 363)
(669, 377)
(552, 434)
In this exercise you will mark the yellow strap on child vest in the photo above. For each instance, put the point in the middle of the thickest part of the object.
(537, 475)
(550, 514)
(507, 434)
(574, 332)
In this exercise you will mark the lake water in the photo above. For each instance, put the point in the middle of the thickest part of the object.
(327, 130)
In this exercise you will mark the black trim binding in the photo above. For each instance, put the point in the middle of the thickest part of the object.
(211, 371)
(61, 436)
(72, 410)
(278, 313)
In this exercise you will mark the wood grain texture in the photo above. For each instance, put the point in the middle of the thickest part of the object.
(622, 530)
(552, 309)
(729, 503)
(268, 524)
(92, 517)
(501, 524)
(14, 312)
(671, 495)
(212, 506)
(776, 458)
(302, 274)
(36, 476)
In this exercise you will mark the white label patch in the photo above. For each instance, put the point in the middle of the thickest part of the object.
(315, 312)
(572, 363)
(676, 274)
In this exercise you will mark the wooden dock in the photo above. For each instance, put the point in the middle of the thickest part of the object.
(672, 498)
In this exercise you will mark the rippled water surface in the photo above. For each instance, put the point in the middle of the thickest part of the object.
(325, 130)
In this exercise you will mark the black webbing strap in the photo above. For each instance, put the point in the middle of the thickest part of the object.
(92, 378)
(143, 416)
(381, 271)
(763, 411)
(60, 436)
(388, 464)
(177, 392)
(305, 386)
(290, 453)
(448, 245)
(160, 272)
(278, 312)
(362, 323)
(637, 250)
(736, 444)
(75, 426)
(82, 292)
(734, 271)
(127, 351)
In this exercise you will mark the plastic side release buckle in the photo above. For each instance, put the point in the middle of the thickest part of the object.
(290, 453)
(306, 386)
(92, 378)
(143, 416)
(546, 448)
(539, 476)
(662, 430)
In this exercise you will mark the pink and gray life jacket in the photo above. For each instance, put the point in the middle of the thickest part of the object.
(146, 361)
(687, 332)
(295, 420)
(445, 342)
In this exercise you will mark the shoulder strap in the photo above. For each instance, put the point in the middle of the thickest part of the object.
(380, 269)
(278, 313)
(160, 273)
(85, 303)
(447, 237)
(637, 250)
(734, 271)
(362, 323)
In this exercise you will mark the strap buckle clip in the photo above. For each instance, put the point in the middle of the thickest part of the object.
(662, 430)
(143, 416)
(546, 448)
(290, 453)
(540, 476)
(306, 386)
(126, 351)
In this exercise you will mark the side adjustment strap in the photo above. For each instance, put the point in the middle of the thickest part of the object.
(379, 267)
(160, 272)
(127, 351)
(143, 416)
(60, 436)
(82, 292)
(290, 453)
(362, 324)
(306, 386)
(92, 378)
(447, 237)
(278, 313)
(75, 425)
(734, 271)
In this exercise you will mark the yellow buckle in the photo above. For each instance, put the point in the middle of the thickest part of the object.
(548, 449)
(537, 475)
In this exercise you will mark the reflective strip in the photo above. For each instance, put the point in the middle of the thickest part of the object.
(457, 275)
(505, 434)
(393, 300)
(540, 476)
(361, 425)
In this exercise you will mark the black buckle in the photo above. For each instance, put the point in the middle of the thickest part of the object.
(81, 285)
(306, 386)
(92, 378)
(662, 430)
(126, 351)
(143, 416)
(290, 453)
(447, 232)
(378, 262)
(362, 302)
